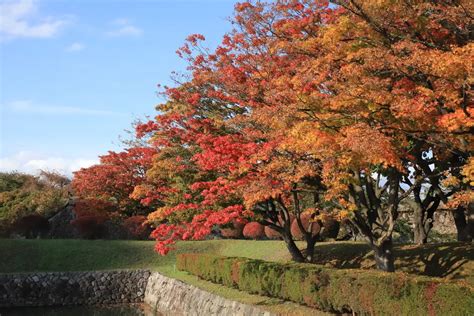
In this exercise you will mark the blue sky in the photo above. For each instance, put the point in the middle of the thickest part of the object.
(75, 74)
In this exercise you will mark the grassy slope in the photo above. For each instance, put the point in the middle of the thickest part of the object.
(453, 260)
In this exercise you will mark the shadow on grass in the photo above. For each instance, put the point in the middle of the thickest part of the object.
(436, 260)
(441, 260)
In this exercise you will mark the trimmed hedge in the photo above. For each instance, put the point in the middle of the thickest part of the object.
(235, 231)
(305, 219)
(334, 290)
(270, 233)
(254, 230)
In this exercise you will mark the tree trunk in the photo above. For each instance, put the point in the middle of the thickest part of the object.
(420, 237)
(296, 254)
(384, 256)
(423, 220)
(419, 234)
(310, 244)
(464, 226)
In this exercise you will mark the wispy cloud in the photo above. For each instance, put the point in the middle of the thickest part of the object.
(30, 162)
(75, 47)
(21, 19)
(29, 107)
(123, 27)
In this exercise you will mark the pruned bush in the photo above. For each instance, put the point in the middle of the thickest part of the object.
(270, 233)
(234, 230)
(330, 228)
(31, 226)
(305, 220)
(254, 230)
(361, 292)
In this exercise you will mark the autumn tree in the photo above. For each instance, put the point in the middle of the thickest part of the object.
(241, 143)
(410, 65)
(26, 201)
(115, 178)
(175, 176)
(388, 101)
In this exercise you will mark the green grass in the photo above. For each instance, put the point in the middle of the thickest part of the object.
(449, 260)
(76, 255)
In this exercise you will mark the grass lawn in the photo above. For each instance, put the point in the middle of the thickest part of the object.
(448, 260)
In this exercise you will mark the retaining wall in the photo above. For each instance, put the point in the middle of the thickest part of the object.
(73, 288)
(163, 295)
(173, 297)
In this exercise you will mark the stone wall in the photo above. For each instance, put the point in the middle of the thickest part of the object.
(60, 224)
(172, 297)
(443, 220)
(72, 288)
(162, 295)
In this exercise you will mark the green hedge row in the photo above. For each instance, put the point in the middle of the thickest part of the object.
(335, 290)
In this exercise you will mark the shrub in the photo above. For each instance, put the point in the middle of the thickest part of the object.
(271, 233)
(254, 230)
(90, 226)
(331, 228)
(403, 232)
(137, 227)
(305, 219)
(234, 231)
(362, 292)
(31, 226)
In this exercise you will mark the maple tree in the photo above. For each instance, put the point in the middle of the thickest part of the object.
(115, 178)
(392, 92)
(249, 171)
(406, 71)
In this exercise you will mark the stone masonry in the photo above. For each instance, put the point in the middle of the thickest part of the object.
(73, 288)
(162, 295)
(172, 297)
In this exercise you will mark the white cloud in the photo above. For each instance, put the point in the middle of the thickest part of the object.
(75, 47)
(29, 162)
(20, 19)
(123, 27)
(26, 106)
